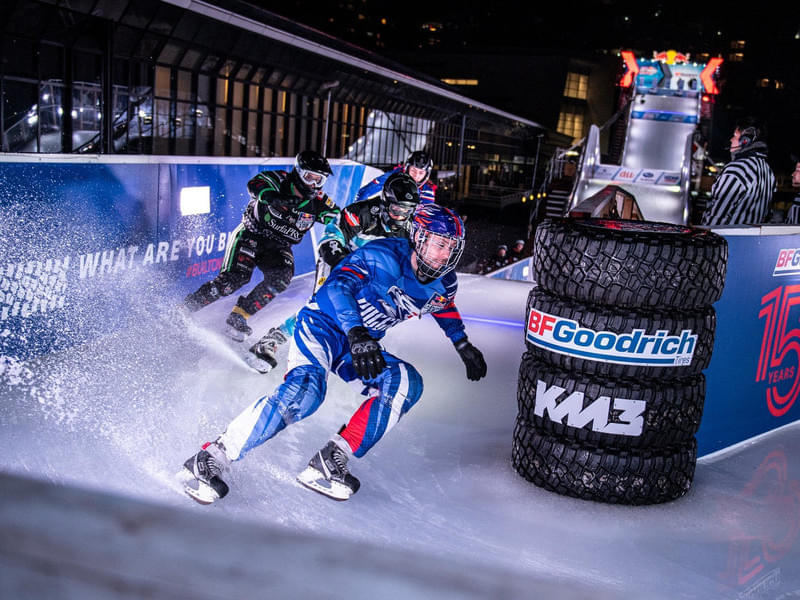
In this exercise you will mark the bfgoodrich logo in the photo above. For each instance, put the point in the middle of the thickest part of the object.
(788, 262)
(565, 336)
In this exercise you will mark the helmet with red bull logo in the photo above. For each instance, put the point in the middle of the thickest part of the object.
(437, 236)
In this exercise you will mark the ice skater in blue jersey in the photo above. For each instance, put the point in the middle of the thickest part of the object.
(339, 330)
(386, 215)
(418, 165)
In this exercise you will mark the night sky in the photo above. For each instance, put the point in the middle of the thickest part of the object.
(586, 29)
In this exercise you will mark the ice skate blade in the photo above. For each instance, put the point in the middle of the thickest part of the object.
(257, 363)
(235, 334)
(197, 490)
(315, 480)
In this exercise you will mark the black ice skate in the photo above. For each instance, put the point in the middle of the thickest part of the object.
(262, 355)
(327, 473)
(237, 327)
(201, 474)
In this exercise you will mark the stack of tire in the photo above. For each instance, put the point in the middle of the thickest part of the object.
(619, 329)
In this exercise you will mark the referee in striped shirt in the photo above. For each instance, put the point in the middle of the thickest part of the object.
(743, 191)
(793, 218)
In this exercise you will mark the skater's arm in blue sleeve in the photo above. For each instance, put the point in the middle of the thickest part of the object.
(373, 188)
(338, 296)
(450, 321)
(448, 318)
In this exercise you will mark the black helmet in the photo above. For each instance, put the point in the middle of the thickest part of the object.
(311, 169)
(420, 160)
(400, 196)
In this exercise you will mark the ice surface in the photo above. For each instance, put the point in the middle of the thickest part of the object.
(122, 413)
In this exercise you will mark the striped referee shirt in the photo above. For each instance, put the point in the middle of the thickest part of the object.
(743, 191)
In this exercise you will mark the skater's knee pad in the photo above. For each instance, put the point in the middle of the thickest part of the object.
(301, 393)
(403, 383)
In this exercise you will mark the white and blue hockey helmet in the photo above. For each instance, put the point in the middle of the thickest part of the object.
(437, 236)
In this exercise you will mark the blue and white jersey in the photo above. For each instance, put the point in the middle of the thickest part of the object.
(375, 286)
(427, 193)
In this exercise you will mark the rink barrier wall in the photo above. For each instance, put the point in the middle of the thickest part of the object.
(89, 243)
(753, 380)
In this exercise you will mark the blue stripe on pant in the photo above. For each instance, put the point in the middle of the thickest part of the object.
(317, 348)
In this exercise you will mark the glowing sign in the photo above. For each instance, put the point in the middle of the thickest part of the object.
(633, 68)
(705, 75)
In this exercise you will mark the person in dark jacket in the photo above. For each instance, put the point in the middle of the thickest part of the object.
(282, 209)
(495, 261)
(517, 251)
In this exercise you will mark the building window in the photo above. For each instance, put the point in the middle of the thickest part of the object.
(763, 82)
(450, 81)
(738, 44)
(570, 121)
(736, 57)
(577, 86)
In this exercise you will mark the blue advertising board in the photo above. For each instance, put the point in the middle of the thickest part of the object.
(753, 380)
(80, 239)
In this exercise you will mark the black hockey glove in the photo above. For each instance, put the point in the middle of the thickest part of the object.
(366, 352)
(331, 252)
(473, 359)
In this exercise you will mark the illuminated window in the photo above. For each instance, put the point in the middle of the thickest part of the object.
(763, 82)
(570, 121)
(738, 44)
(449, 81)
(736, 57)
(577, 86)
(779, 85)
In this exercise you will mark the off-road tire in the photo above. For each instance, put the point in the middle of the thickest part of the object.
(671, 416)
(603, 475)
(632, 264)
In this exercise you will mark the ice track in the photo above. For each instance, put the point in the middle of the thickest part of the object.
(120, 415)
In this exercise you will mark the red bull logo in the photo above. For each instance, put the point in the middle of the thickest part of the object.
(304, 221)
(671, 57)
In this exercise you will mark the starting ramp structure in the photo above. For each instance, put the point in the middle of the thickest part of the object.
(662, 116)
